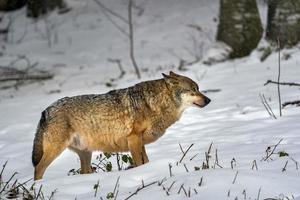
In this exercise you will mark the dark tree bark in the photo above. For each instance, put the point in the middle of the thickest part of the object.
(9, 5)
(283, 22)
(239, 26)
(36, 8)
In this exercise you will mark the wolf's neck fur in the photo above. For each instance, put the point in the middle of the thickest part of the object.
(157, 100)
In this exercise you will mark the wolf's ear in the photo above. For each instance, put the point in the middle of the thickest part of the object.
(170, 79)
(166, 76)
(171, 73)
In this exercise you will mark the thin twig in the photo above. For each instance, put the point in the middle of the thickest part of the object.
(297, 103)
(116, 186)
(245, 194)
(104, 8)
(118, 161)
(258, 194)
(52, 194)
(8, 182)
(272, 152)
(181, 149)
(113, 22)
(278, 79)
(186, 169)
(232, 161)
(195, 191)
(131, 40)
(119, 64)
(201, 181)
(182, 187)
(159, 183)
(39, 192)
(3, 167)
(27, 77)
(217, 160)
(184, 154)
(296, 163)
(210, 91)
(284, 168)
(96, 188)
(140, 188)
(169, 188)
(194, 156)
(267, 106)
(170, 170)
(20, 185)
(235, 177)
(282, 83)
(254, 165)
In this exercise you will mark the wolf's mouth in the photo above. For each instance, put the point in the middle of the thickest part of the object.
(201, 106)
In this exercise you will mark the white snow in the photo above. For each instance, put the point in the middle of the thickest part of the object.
(235, 121)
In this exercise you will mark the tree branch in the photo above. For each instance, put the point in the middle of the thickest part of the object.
(140, 188)
(184, 154)
(278, 78)
(131, 40)
(104, 8)
(282, 83)
(27, 77)
(297, 103)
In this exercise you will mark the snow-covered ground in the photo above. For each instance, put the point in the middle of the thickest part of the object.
(76, 50)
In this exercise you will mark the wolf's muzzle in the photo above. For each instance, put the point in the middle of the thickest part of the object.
(206, 100)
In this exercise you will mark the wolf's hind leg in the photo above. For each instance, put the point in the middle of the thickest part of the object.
(51, 150)
(85, 160)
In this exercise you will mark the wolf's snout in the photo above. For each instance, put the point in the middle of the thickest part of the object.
(207, 100)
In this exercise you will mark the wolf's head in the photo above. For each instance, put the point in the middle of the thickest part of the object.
(185, 91)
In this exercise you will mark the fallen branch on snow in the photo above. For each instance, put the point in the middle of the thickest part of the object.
(27, 77)
(282, 83)
(297, 103)
(140, 188)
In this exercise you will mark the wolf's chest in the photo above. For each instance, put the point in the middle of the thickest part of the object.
(151, 135)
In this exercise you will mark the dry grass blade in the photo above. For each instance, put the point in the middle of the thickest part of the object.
(272, 151)
(8, 182)
(131, 40)
(254, 165)
(278, 78)
(267, 106)
(184, 154)
(284, 168)
(235, 176)
(116, 186)
(140, 188)
(217, 160)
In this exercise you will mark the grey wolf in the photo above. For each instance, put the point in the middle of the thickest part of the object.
(120, 120)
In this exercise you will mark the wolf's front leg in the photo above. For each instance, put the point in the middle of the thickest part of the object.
(145, 157)
(136, 148)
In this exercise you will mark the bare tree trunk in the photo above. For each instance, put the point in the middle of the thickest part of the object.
(239, 26)
(283, 22)
(9, 5)
(36, 8)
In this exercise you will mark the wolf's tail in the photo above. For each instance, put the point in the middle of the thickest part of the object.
(37, 151)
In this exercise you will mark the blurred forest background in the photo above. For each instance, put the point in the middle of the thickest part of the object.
(239, 31)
